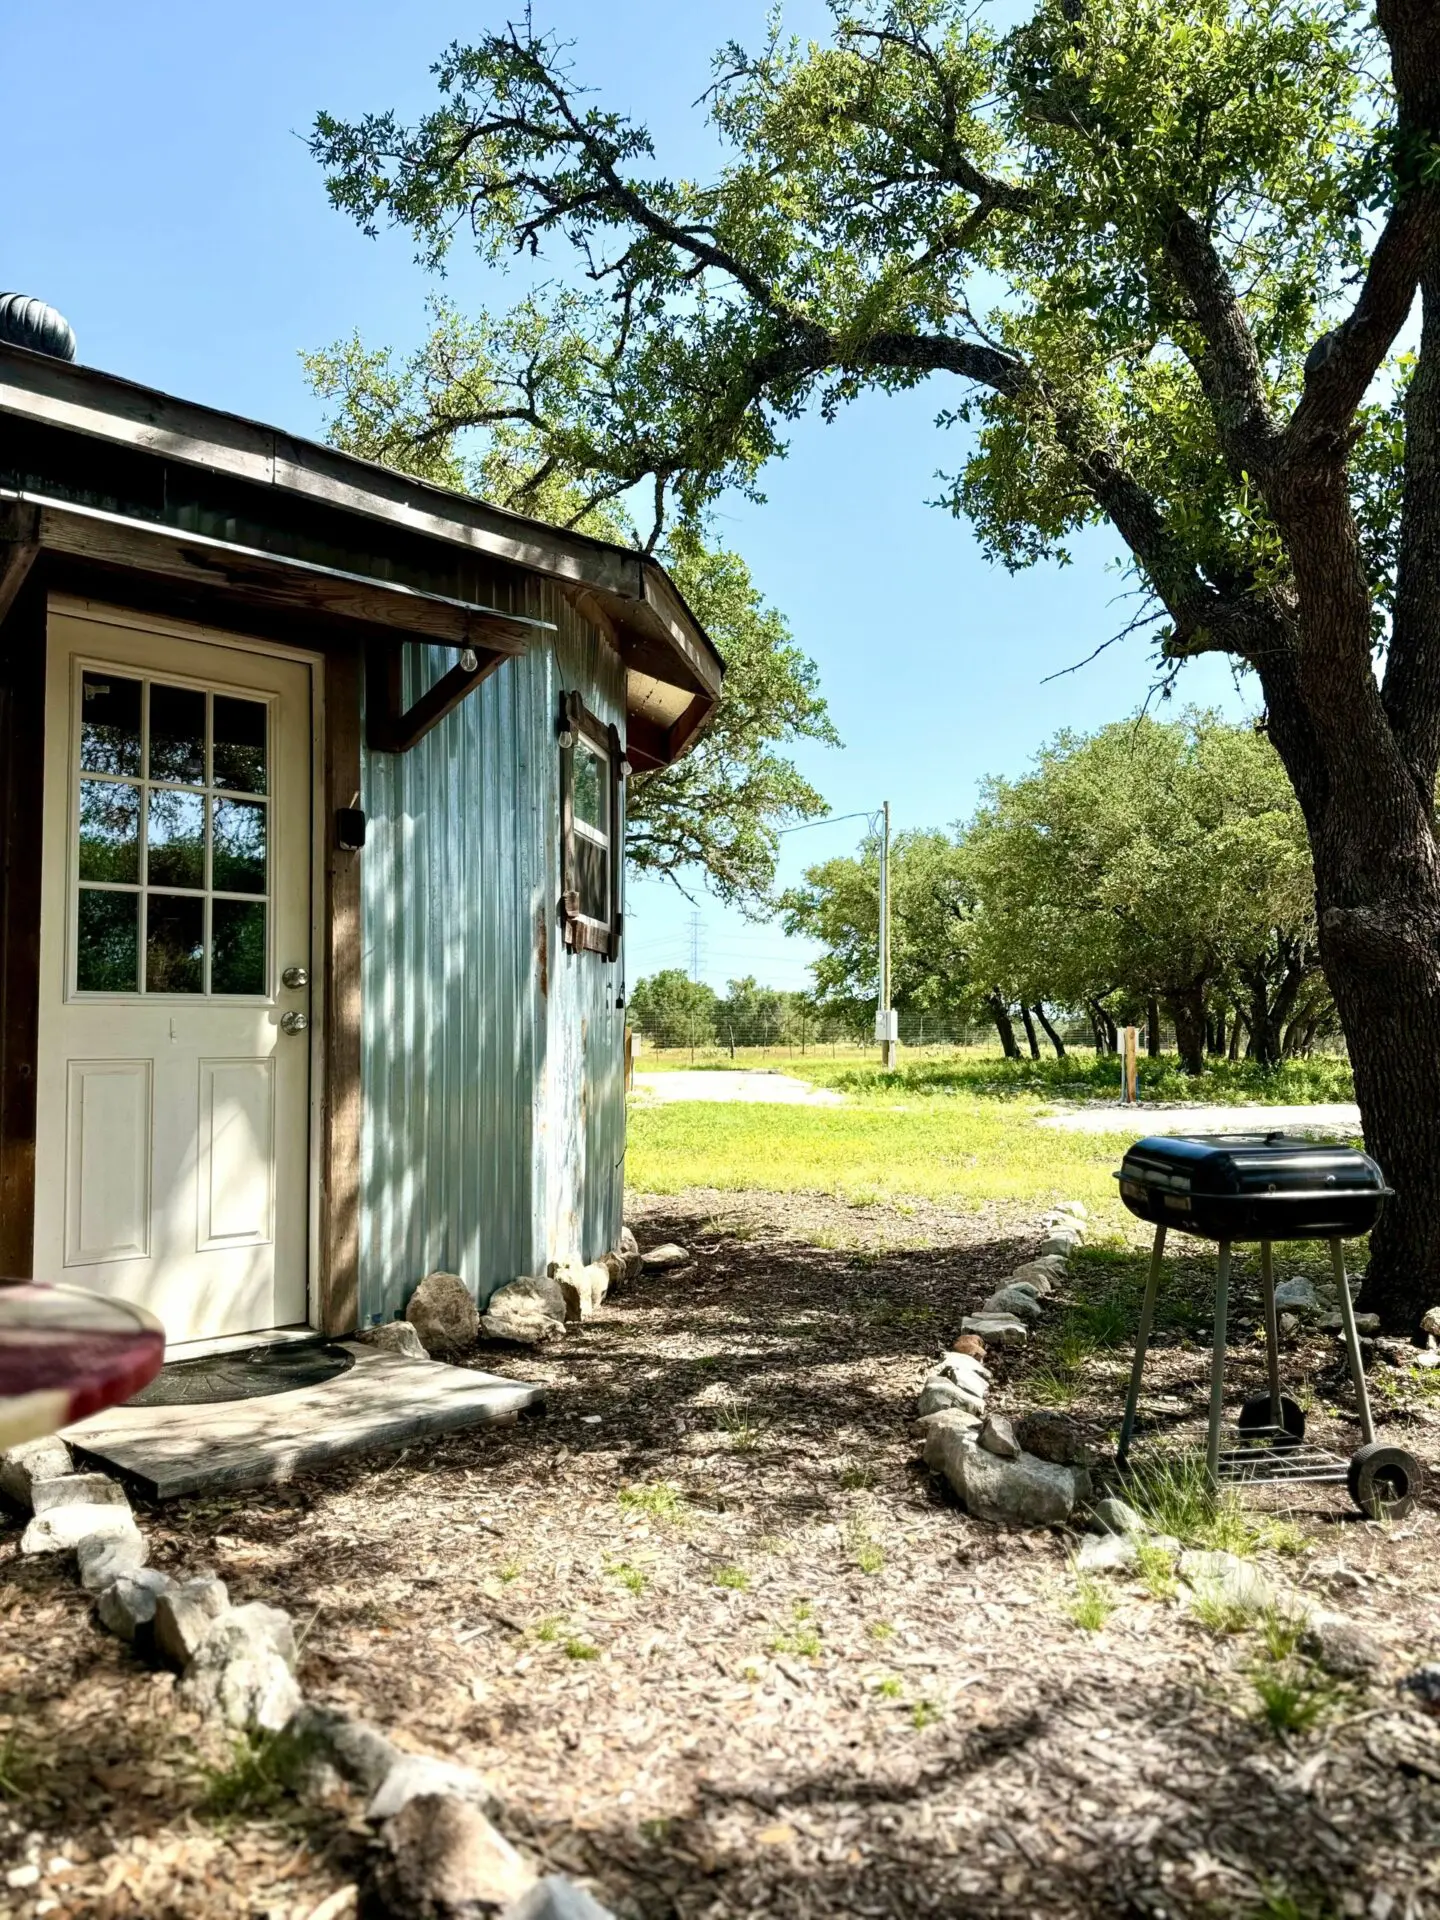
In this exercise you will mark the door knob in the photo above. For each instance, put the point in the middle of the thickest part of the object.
(294, 1022)
(295, 977)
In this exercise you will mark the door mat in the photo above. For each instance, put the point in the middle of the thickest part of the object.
(278, 1367)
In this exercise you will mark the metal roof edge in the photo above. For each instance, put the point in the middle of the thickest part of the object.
(82, 399)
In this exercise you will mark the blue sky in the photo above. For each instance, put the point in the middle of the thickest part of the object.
(160, 194)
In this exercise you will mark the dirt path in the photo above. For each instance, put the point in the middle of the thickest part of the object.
(749, 1084)
(1343, 1116)
(724, 1649)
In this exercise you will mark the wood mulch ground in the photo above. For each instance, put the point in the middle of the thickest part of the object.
(723, 1647)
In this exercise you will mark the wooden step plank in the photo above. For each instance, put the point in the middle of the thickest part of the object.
(384, 1400)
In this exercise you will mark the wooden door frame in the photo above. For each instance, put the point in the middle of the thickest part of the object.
(334, 1236)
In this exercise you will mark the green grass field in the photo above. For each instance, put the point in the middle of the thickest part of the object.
(957, 1126)
(949, 1148)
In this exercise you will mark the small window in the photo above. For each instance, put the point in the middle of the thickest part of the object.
(591, 853)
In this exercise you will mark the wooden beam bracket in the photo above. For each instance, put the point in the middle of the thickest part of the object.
(393, 728)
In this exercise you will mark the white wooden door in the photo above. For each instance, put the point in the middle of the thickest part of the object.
(172, 1163)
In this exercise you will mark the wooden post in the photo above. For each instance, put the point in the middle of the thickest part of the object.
(1130, 1067)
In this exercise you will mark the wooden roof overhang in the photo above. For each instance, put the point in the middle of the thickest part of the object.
(107, 476)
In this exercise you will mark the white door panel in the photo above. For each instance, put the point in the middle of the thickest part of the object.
(172, 1131)
(107, 1160)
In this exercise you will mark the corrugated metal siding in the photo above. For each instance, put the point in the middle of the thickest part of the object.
(494, 1115)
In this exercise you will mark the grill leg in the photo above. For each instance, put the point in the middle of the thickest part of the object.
(1217, 1362)
(1352, 1342)
(1142, 1341)
(1272, 1327)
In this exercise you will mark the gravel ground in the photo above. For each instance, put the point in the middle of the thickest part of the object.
(725, 1649)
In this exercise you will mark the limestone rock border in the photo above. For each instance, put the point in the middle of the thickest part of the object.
(237, 1667)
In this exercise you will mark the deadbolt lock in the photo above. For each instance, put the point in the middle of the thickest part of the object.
(294, 1022)
(295, 977)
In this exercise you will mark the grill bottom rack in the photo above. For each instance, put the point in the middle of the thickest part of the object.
(1383, 1480)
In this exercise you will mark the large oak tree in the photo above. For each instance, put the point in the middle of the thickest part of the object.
(1160, 251)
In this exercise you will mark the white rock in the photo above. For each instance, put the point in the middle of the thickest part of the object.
(1061, 1240)
(629, 1251)
(996, 1329)
(443, 1314)
(1115, 1516)
(1296, 1296)
(185, 1615)
(937, 1395)
(1225, 1580)
(243, 1670)
(1341, 1646)
(440, 1856)
(665, 1258)
(1024, 1492)
(22, 1466)
(1429, 1323)
(78, 1490)
(413, 1774)
(583, 1286)
(1018, 1300)
(965, 1370)
(556, 1898)
(319, 1747)
(128, 1604)
(1038, 1275)
(395, 1336)
(60, 1529)
(527, 1311)
(103, 1557)
(1106, 1553)
(923, 1424)
(997, 1436)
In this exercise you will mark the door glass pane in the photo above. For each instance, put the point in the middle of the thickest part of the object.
(174, 943)
(109, 831)
(175, 843)
(109, 950)
(239, 859)
(240, 744)
(109, 724)
(237, 962)
(177, 734)
(589, 786)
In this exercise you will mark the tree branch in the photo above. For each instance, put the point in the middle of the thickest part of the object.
(1228, 368)
(1343, 363)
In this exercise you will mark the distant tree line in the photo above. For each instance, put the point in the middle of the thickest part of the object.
(1153, 874)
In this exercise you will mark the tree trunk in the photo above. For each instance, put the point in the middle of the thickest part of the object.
(1106, 1036)
(1030, 1033)
(1055, 1040)
(1152, 1028)
(1235, 1032)
(1186, 1007)
(1000, 1014)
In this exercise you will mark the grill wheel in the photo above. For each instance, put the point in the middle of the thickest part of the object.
(1384, 1480)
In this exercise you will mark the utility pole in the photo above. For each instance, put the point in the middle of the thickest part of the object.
(887, 1029)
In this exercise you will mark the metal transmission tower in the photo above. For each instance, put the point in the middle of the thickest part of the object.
(697, 943)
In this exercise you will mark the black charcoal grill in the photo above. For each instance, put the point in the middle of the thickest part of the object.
(1266, 1187)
